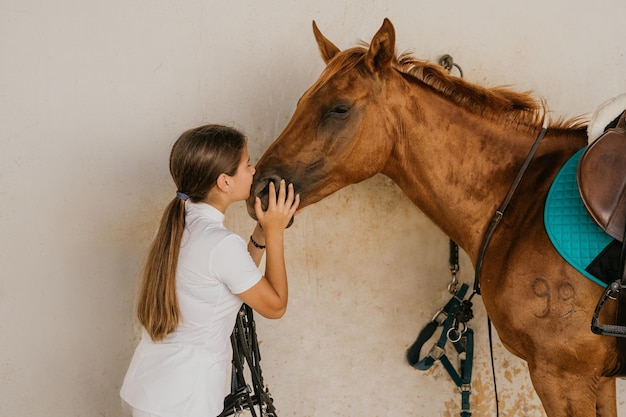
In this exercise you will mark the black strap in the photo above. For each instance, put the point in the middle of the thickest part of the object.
(499, 214)
(246, 351)
(493, 366)
(621, 306)
(622, 261)
(615, 290)
(453, 260)
(413, 353)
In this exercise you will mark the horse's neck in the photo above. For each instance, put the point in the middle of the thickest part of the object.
(458, 171)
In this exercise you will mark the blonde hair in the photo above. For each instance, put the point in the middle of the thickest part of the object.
(197, 159)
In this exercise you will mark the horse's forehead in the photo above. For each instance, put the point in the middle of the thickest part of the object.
(332, 82)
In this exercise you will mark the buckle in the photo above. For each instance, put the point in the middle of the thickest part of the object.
(436, 352)
(437, 317)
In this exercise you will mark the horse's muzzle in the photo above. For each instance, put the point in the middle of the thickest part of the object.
(261, 188)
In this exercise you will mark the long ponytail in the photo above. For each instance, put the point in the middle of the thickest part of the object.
(198, 157)
(158, 309)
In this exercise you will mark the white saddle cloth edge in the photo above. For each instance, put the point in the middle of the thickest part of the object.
(605, 114)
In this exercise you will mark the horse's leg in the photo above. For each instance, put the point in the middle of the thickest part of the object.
(606, 404)
(564, 393)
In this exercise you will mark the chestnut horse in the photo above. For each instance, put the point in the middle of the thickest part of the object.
(454, 149)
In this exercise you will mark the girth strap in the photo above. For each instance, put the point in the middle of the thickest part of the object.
(616, 291)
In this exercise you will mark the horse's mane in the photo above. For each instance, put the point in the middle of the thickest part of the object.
(500, 103)
(495, 102)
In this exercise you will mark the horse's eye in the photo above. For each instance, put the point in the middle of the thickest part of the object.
(340, 111)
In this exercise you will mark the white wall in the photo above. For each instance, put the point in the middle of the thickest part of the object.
(93, 94)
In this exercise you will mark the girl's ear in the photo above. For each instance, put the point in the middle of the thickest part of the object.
(223, 183)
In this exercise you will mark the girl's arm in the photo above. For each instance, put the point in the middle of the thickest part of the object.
(269, 296)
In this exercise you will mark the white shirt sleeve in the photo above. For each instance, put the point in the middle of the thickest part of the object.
(233, 265)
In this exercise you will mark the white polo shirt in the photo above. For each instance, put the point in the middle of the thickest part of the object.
(187, 373)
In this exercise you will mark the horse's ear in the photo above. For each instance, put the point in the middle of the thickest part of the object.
(382, 48)
(327, 48)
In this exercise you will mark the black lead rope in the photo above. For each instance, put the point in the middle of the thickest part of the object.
(493, 366)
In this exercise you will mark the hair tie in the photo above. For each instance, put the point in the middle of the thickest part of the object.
(182, 195)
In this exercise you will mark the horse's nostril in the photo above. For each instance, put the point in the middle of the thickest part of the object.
(264, 184)
(261, 190)
(263, 194)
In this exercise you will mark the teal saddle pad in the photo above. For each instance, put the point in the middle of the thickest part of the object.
(571, 229)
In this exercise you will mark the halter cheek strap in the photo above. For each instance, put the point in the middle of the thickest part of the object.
(182, 195)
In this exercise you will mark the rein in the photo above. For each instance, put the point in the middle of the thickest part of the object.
(495, 221)
(458, 311)
(246, 350)
(499, 214)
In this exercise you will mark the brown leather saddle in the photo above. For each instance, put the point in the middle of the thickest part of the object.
(601, 178)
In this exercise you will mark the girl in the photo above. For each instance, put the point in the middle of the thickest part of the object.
(197, 275)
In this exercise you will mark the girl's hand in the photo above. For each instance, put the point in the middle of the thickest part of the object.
(280, 209)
